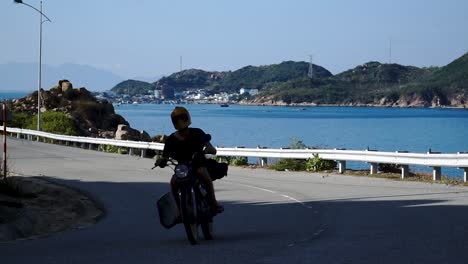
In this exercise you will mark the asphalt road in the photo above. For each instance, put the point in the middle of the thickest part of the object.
(270, 217)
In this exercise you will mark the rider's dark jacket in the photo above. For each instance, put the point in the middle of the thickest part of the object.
(184, 150)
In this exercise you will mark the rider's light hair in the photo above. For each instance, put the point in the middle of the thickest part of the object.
(180, 118)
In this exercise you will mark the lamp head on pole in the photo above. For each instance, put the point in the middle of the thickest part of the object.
(40, 11)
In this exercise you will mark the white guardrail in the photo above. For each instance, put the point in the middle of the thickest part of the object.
(404, 159)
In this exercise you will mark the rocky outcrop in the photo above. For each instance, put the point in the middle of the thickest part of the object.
(92, 117)
(125, 132)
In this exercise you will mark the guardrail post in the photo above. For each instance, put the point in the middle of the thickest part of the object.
(436, 174)
(404, 171)
(465, 174)
(263, 162)
(342, 166)
(374, 168)
(143, 153)
(18, 135)
(131, 151)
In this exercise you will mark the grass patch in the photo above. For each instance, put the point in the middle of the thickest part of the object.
(413, 177)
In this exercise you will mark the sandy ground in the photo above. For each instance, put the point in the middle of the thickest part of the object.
(44, 209)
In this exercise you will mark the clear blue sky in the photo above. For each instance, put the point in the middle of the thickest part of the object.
(147, 37)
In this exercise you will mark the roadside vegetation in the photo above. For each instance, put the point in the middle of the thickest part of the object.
(51, 121)
(314, 164)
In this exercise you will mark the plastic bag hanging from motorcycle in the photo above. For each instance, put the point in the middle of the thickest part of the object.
(217, 170)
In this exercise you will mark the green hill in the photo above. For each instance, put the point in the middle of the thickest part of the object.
(132, 87)
(374, 83)
(259, 77)
(189, 80)
(265, 77)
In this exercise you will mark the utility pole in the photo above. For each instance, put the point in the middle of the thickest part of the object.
(41, 21)
(390, 52)
(180, 63)
(4, 120)
(311, 68)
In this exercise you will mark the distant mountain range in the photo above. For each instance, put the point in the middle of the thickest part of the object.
(24, 76)
(288, 83)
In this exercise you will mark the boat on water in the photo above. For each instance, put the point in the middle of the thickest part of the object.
(224, 105)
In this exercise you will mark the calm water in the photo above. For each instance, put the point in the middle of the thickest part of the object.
(356, 128)
(12, 95)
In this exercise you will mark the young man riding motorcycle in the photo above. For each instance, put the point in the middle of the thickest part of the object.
(189, 144)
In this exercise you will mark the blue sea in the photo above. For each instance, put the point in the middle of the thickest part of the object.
(12, 95)
(354, 128)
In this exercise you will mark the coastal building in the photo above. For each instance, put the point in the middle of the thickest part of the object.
(157, 94)
(249, 91)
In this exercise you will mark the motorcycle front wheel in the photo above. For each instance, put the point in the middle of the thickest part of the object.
(188, 212)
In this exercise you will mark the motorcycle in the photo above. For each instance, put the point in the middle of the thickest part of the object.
(193, 203)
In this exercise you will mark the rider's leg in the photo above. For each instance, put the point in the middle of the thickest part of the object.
(206, 179)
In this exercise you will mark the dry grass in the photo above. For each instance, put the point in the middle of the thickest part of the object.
(414, 176)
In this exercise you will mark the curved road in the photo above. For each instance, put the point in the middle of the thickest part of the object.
(270, 217)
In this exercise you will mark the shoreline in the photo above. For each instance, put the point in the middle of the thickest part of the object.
(348, 105)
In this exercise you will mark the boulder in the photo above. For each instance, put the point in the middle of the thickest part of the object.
(159, 138)
(122, 132)
(65, 85)
(125, 132)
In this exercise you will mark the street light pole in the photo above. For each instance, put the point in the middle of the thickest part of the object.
(41, 15)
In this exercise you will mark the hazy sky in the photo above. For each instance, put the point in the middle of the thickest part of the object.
(147, 37)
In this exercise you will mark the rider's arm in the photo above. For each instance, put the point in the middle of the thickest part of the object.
(167, 153)
(209, 149)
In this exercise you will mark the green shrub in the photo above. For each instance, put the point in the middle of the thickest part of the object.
(55, 122)
(122, 150)
(224, 159)
(290, 164)
(389, 168)
(21, 120)
(236, 161)
(239, 161)
(109, 148)
(319, 164)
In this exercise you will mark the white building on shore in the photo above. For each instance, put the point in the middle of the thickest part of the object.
(249, 91)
